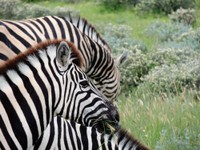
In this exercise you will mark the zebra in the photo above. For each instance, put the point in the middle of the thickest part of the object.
(69, 135)
(44, 82)
(99, 65)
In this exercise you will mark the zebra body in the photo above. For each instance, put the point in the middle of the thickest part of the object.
(17, 36)
(41, 83)
(69, 135)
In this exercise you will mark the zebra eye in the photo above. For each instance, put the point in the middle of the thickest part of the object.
(84, 84)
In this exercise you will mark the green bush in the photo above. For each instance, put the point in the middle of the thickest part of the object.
(33, 11)
(8, 8)
(28, 1)
(117, 4)
(175, 35)
(166, 6)
(119, 39)
(186, 16)
(13, 9)
(175, 76)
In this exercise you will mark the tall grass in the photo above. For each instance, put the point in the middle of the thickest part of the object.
(164, 121)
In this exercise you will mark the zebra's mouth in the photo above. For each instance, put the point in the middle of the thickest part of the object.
(108, 127)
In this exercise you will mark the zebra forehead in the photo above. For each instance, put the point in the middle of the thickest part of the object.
(11, 63)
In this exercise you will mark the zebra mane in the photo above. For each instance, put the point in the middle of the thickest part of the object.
(123, 134)
(86, 28)
(12, 63)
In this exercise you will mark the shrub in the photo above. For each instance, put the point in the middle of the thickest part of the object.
(175, 35)
(166, 6)
(167, 31)
(185, 16)
(174, 77)
(119, 38)
(16, 10)
(117, 4)
(31, 11)
(8, 8)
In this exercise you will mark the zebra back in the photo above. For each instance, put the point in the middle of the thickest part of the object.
(67, 134)
(41, 83)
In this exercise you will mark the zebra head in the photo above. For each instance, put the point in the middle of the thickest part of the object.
(83, 102)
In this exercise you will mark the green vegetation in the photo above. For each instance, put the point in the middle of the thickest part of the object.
(160, 99)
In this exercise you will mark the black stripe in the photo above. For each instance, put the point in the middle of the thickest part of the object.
(5, 132)
(84, 138)
(63, 32)
(51, 26)
(7, 42)
(3, 57)
(18, 37)
(20, 28)
(70, 31)
(33, 31)
(52, 135)
(77, 34)
(70, 101)
(65, 137)
(71, 136)
(94, 139)
(57, 80)
(35, 24)
(59, 131)
(45, 30)
(86, 49)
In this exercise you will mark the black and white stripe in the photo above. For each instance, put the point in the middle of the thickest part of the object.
(40, 84)
(69, 135)
(17, 36)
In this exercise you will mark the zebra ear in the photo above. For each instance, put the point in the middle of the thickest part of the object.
(121, 59)
(63, 53)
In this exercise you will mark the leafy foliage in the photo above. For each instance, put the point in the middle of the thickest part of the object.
(117, 4)
(166, 6)
(175, 35)
(186, 16)
(13, 9)
(7, 8)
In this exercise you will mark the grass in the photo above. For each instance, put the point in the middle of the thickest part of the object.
(162, 121)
